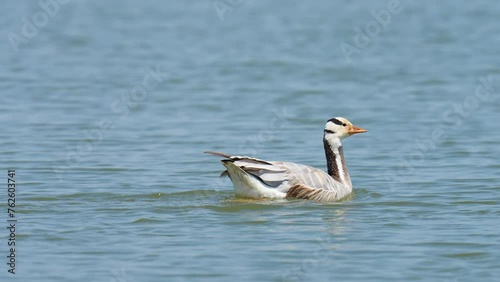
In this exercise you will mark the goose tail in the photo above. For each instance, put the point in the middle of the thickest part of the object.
(220, 154)
(248, 186)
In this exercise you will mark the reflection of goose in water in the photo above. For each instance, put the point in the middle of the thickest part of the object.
(254, 178)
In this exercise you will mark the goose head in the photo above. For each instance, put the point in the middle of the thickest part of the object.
(339, 127)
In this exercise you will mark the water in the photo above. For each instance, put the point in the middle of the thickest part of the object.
(134, 198)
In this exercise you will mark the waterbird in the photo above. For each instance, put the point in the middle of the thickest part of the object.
(258, 179)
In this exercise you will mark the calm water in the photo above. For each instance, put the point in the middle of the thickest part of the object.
(113, 186)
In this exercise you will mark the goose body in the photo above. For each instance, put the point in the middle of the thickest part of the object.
(256, 178)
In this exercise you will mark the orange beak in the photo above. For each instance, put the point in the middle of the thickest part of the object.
(355, 129)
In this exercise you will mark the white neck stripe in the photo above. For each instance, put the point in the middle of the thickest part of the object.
(338, 161)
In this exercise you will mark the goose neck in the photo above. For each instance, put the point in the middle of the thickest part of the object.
(337, 168)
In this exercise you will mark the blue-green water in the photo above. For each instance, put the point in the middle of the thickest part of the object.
(112, 184)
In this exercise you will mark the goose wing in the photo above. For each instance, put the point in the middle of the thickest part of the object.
(267, 172)
(298, 174)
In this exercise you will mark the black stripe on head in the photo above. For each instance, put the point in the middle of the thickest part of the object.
(329, 131)
(336, 121)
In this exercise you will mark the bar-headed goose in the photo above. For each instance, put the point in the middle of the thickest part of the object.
(255, 178)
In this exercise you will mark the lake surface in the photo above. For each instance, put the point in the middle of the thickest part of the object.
(107, 106)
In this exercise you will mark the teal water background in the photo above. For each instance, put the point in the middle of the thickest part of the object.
(106, 109)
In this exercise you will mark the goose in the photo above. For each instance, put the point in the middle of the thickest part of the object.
(258, 179)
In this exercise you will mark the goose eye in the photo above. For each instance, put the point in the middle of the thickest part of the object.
(344, 125)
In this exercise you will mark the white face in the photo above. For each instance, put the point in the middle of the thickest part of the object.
(341, 128)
